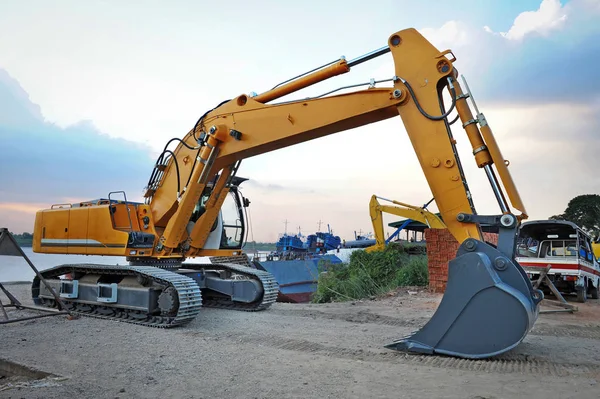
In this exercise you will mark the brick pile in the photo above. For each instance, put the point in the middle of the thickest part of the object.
(441, 248)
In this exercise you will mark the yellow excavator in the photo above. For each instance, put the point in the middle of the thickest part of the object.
(411, 212)
(489, 305)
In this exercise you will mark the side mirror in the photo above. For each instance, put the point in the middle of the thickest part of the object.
(246, 202)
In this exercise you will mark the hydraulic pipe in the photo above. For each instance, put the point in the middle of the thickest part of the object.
(320, 75)
(496, 188)
(338, 68)
(427, 204)
(397, 202)
(369, 56)
(480, 150)
(406, 205)
(501, 164)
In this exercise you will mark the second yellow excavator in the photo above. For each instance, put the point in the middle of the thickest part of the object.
(411, 212)
(489, 305)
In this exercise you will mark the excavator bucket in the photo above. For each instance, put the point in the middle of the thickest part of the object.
(488, 307)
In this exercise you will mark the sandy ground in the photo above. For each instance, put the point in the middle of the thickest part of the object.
(295, 351)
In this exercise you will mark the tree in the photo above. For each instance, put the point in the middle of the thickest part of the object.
(584, 211)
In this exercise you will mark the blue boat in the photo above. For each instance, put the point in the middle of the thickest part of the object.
(323, 242)
(290, 243)
(297, 278)
(296, 264)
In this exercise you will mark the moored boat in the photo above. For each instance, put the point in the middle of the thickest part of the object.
(296, 264)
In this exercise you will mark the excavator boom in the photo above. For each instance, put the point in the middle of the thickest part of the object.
(246, 126)
(490, 304)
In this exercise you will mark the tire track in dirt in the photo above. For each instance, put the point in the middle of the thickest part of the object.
(507, 363)
(360, 317)
(367, 317)
(566, 330)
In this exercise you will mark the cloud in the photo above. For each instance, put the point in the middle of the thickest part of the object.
(294, 187)
(552, 150)
(258, 185)
(549, 17)
(18, 217)
(16, 109)
(42, 164)
(592, 6)
(547, 56)
(20, 207)
(452, 33)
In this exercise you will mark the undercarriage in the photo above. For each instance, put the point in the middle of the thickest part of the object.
(154, 296)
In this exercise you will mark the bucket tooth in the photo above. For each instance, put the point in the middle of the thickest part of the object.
(488, 308)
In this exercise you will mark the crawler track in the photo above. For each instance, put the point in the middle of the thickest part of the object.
(188, 295)
(270, 287)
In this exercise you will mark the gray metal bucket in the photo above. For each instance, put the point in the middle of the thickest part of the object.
(488, 307)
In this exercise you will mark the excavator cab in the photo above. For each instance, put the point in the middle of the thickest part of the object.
(228, 231)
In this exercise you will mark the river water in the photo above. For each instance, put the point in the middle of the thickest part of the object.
(15, 268)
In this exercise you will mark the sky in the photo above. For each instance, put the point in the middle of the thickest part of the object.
(91, 91)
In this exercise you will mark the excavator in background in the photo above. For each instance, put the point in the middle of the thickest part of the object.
(489, 305)
(411, 212)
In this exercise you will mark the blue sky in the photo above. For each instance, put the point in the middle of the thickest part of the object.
(109, 80)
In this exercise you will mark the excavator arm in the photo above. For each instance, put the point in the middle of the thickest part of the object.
(419, 214)
(247, 126)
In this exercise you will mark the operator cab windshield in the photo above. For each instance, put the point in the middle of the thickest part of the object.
(233, 226)
(200, 207)
(232, 216)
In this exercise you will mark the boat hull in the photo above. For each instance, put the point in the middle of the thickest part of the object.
(297, 279)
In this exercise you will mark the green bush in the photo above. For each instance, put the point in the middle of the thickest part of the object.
(371, 274)
(415, 273)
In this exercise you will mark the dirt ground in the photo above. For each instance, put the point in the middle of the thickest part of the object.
(295, 351)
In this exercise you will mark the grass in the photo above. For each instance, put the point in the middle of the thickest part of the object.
(372, 274)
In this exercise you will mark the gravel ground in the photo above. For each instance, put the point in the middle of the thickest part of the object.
(294, 351)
